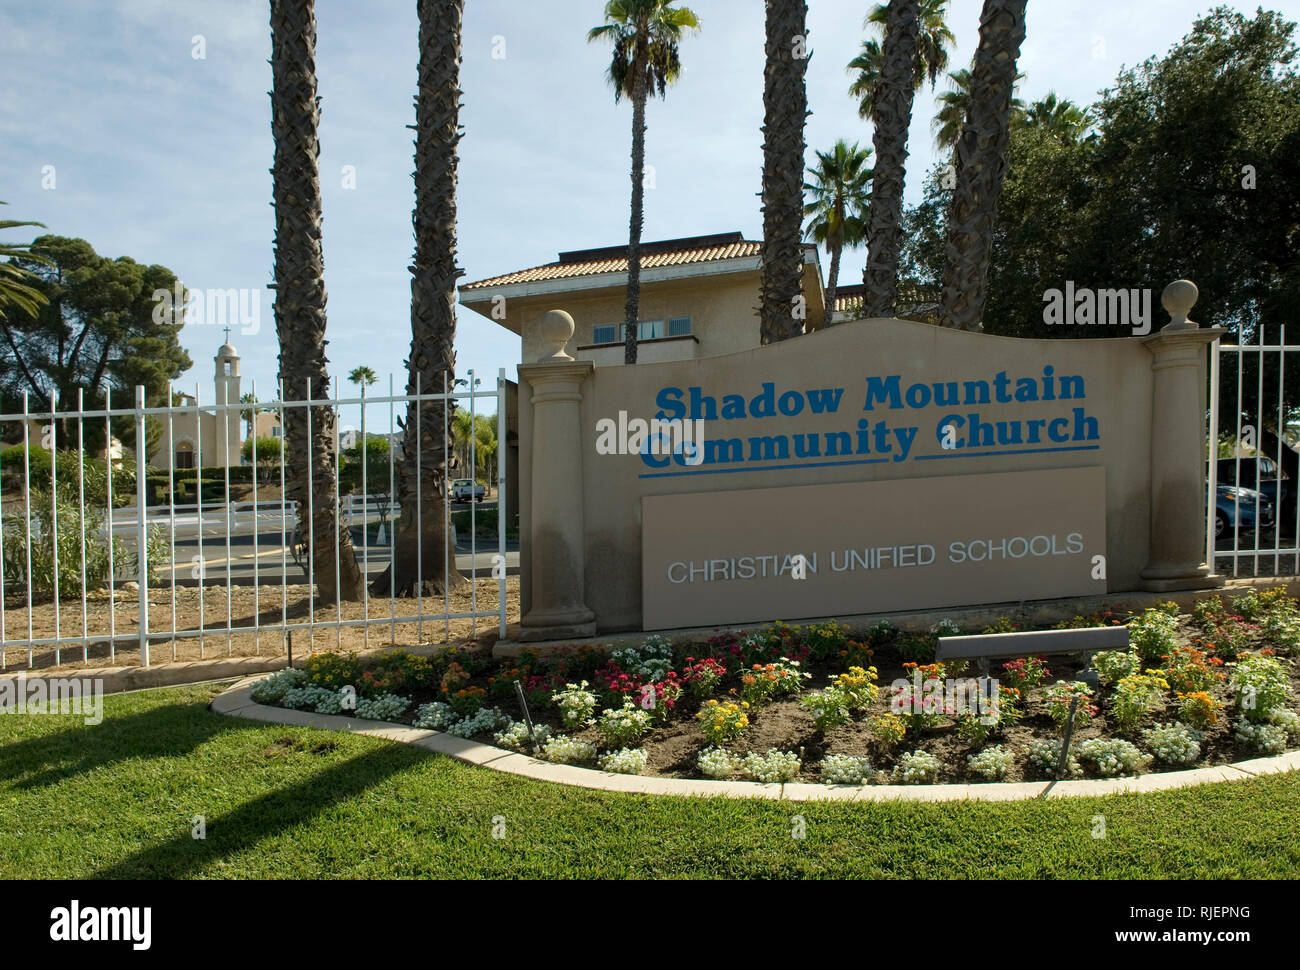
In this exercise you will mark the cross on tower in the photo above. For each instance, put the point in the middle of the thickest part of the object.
(227, 329)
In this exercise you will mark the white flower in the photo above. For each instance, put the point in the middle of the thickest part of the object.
(516, 737)
(718, 763)
(625, 761)
(563, 749)
(1174, 744)
(775, 766)
(385, 707)
(917, 767)
(845, 769)
(992, 763)
(435, 716)
(273, 688)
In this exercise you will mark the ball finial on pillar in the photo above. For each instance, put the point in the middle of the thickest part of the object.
(555, 330)
(1178, 298)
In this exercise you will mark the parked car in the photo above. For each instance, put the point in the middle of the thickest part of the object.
(1273, 482)
(467, 490)
(1244, 509)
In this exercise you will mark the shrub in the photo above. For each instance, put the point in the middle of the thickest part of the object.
(1114, 665)
(1199, 710)
(516, 738)
(658, 698)
(486, 719)
(858, 687)
(625, 761)
(453, 678)
(992, 763)
(467, 700)
(723, 722)
(435, 716)
(1045, 755)
(1174, 744)
(1058, 699)
(332, 670)
(917, 768)
(1113, 757)
(762, 682)
(565, 750)
(1205, 613)
(889, 730)
(393, 672)
(1188, 670)
(1153, 635)
(273, 688)
(649, 662)
(772, 768)
(702, 676)
(1281, 628)
(620, 727)
(306, 698)
(385, 707)
(826, 640)
(845, 769)
(576, 704)
(1136, 696)
(829, 708)
(1268, 738)
(718, 763)
(977, 725)
(1260, 685)
(1025, 673)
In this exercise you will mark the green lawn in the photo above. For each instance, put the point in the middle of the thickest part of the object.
(116, 800)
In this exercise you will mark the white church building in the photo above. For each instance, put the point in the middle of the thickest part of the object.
(199, 436)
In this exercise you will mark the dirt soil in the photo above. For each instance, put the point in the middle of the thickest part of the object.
(266, 603)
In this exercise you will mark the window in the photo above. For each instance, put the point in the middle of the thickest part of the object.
(645, 330)
(275, 431)
(605, 334)
(184, 457)
(679, 327)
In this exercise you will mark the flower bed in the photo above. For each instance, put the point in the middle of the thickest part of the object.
(817, 704)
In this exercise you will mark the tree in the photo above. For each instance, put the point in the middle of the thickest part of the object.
(782, 309)
(644, 35)
(309, 431)
(362, 376)
(97, 329)
(981, 163)
(249, 415)
(839, 190)
(268, 458)
(418, 567)
(17, 292)
(1061, 118)
(933, 41)
(953, 106)
(891, 116)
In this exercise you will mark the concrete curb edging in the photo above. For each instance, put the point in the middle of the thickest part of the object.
(238, 702)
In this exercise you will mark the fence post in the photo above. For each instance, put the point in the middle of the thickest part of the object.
(557, 570)
(1178, 407)
(142, 558)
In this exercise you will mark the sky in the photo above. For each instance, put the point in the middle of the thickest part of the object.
(155, 118)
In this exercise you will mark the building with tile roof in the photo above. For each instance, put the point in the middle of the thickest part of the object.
(699, 298)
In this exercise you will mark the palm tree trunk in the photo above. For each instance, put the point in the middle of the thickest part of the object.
(310, 439)
(421, 539)
(637, 221)
(981, 164)
(891, 117)
(785, 108)
(832, 281)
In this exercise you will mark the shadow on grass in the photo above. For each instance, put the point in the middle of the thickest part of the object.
(160, 732)
(277, 811)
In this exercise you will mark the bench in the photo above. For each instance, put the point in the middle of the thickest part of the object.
(1030, 643)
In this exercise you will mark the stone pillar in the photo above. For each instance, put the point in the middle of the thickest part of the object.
(1176, 558)
(556, 541)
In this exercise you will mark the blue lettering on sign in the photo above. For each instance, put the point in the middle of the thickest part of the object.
(1048, 418)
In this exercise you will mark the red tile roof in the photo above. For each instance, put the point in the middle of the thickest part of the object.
(613, 259)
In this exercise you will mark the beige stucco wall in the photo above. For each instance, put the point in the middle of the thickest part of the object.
(1118, 380)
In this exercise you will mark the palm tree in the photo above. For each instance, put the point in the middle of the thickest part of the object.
(981, 163)
(891, 116)
(785, 108)
(300, 297)
(1062, 119)
(16, 289)
(421, 539)
(953, 105)
(249, 415)
(933, 42)
(840, 191)
(362, 376)
(644, 35)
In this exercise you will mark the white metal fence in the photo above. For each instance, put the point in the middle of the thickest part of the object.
(1253, 502)
(220, 574)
